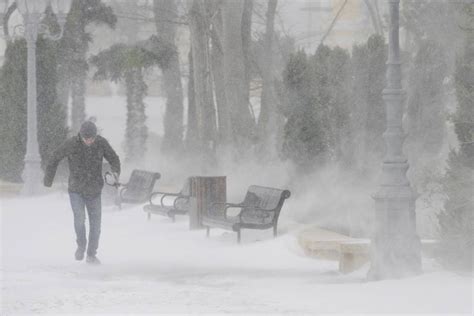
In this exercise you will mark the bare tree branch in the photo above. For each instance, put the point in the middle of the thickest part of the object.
(373, 17)
(333, 22)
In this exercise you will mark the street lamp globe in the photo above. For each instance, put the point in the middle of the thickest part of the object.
(27, 7)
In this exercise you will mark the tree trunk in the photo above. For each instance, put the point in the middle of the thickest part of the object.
(379, 18)
(373, 16)
(246, 44)
(129, 26)
(129, 137)
(63, 87)
(206, 117)
(164, 11)
(78, 105)
(142, 129)
(136, 129)
(267, 117)
(217, 58)
(191, 131)
(333, 23)
(236, 89)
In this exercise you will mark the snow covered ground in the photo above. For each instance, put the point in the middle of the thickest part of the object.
(163, 267)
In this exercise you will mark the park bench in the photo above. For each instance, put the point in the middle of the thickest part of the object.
(138, 188)
(259, 210)
(351, 253)
(179, 206)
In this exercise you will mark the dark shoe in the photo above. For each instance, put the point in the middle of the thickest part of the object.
(79, 254)
(92, 260)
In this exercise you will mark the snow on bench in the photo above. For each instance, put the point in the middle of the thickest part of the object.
(352, 253)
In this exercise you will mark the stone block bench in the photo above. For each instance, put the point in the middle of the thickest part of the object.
(352, 253)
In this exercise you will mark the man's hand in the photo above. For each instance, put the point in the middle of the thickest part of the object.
(116, 177)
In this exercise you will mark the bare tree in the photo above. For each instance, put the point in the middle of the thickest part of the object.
(246, 42)
(217, 57)
(267, 119)
(205, 111)
(165, 11)
(372, 7)
(333, 22)
(236, 89)
(191, 130)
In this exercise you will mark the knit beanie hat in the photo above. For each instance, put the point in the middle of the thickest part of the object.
(88, 130)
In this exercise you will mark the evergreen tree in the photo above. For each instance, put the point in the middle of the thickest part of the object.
(426, 102)
(52, 128)
(368, 111)
(13, 111)
(303, 139)
(317, 120)
(337, 109)
(52, 115)
(72, 51)
(128, 63)
(436, 21)
(456, 220)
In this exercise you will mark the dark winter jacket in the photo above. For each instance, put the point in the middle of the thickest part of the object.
(85, 164)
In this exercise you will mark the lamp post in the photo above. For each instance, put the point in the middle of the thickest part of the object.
(395, 244)
(32, 12)
(3, 10)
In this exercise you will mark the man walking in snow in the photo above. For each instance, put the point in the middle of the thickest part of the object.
(85, 153)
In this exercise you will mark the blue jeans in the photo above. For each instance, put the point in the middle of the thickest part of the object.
(94, 211)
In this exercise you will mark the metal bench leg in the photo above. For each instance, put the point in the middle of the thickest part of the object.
(238, 236)
(275, 233)
(149, 216)
(208, 229)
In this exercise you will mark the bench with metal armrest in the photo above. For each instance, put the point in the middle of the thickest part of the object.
(137, 190)
(179, 206)
(259, 210)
